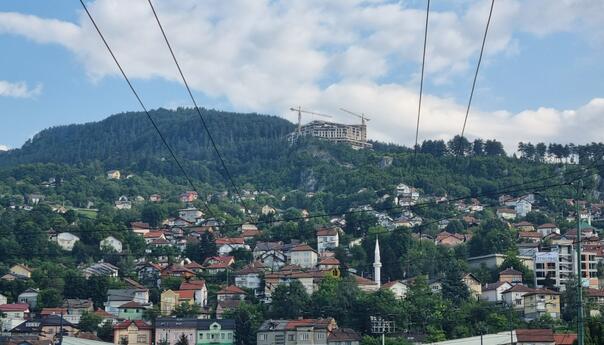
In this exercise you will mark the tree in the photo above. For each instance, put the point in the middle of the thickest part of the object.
(478, 147)
(207, 246)
(494, 148)
(49, 298)
(187, 310)
(182, 340)
(89, 322)
(153, 214)
(453, 287)
(493, 236)
(289, 301)
(247, 318)
(105, 332)
(358, 223)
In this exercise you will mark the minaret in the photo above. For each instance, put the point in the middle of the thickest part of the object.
(377, 264)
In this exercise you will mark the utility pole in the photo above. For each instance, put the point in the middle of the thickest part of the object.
(580, 315)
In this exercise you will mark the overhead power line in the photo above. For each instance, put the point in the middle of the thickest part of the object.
(163, 139)
(484, 39)
(421, 81)
(203, 122)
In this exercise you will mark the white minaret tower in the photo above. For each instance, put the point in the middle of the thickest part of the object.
(377, 264)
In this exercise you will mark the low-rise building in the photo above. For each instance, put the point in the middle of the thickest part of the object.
(29, 296)
(111, 243)
(250, 277)
(200, 291)
(132, 311)
(67, 240)
(541, 302)
(293, 332)
(132, 332)
(304, 256)
(196, 331)
(493, 292)
(11, 315)
(327, 238)
(514, 296)
(118, 297)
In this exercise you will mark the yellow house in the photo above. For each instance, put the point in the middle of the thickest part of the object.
(170, 299)
(135, 332)
(113, 175)
(541, 302)
(21, 270)
(473, 284)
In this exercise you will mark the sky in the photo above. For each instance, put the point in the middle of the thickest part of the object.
(541, 78)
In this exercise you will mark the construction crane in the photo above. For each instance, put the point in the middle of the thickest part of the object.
(361, 115)
(300, 111)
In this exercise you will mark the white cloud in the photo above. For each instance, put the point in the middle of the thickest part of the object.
(4, 148)
(267, 55)
(18, 89)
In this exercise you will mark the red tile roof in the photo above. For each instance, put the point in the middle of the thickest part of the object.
(510, 272)
(231, 290)
(565, 339)
(329, 261)
(327, 232)
(302, 248)
(192, 285)
(153, 234)
(131, 304)
(185, 294)
(535, 335)
(51, 311)
(140, 324)
(229, 240)
(24, 307)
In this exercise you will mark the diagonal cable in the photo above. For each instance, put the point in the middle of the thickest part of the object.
(421, 82)
(484, 39)
(203, 122)
(163, 139)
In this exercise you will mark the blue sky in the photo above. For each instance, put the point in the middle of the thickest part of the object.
(540, 77)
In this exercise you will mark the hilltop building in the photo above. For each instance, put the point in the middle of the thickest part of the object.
(353, 135)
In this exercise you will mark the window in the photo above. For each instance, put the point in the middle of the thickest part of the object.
(291, 337)
(263, 337)
(222, 336)
(304, 336)
(200, 335)
(141, 338)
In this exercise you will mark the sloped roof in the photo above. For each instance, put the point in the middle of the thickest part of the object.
(535, 335)
(519, 288)
(192, 285)
(329, 261)
(12, 307)
(565, 339)
(327, 232)
(231, 290)
(140, 324)
(343, 334)
(185, 294)
(302, 248)
(362, 281)
(510, 271)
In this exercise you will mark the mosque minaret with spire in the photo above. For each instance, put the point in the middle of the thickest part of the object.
(377, 264)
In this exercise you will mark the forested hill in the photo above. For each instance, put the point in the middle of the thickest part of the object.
(124, 138)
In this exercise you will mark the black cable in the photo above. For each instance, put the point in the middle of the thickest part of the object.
(484, 39)
(143, 106)
(421, 82)
(203, 122)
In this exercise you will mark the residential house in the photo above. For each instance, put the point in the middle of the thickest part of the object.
(177, 271)
(46, 327)
(132, 311)
(343, 336)
(123, 203)
(548, 228)
(117, 297)
(216, 332)
(103, 269)
(12, 315)
(523, 207)
(250, 277)
(111, 243)
(34, 199)
(230, 292)
(250, 234)
(328, 263)
(293, 332)
(21, 270)
(67, 240)
(506, 213)
(29, 296)
(524, 226)
(171, 329)
(541, 302)
(310, 279)
(217, 264)
(132, 332)
(149, 274)
(530, 236)
(194, 266)
(270, 254)
(511, 276)
(113, 175)
(364, 284)
(154, 198)
(76, 308)
(474, 285)
(304, 256)
(150, 236)
(190, 214)
(447, 239)
(535, 337)
(595, 298)
(514, 296)
(3, 299)
(228, 244)
(266, 210)
(188, 196)
(493, 292)
(397, 287)
(140, 227)
(327, 238)
(200, 291)
(169, 300)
